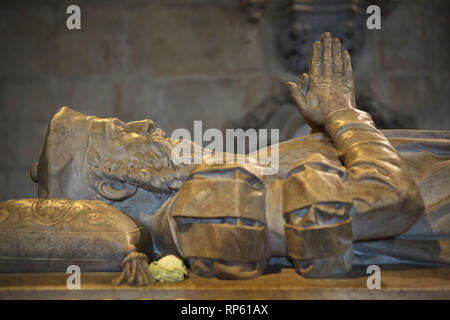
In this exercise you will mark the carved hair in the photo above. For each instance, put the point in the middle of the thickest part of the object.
(151, 170)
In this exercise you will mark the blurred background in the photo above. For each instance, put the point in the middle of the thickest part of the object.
(224, 62)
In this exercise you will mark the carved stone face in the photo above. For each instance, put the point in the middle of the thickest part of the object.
(122, 157)
(127, 165)
(130, 167)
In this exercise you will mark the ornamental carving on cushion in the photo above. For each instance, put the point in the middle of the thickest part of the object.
(57, 214)
(41, 234)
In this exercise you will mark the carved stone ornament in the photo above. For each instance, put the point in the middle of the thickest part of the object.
(48, 235)
(309, 19)
(301, 23)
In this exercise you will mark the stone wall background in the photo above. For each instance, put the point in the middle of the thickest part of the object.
(176, 61)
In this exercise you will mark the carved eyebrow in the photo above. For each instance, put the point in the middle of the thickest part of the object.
(119, 122)
(117, 126)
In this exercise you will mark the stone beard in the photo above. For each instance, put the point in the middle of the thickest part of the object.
(152, 169)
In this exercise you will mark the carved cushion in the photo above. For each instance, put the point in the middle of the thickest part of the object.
(48, 235)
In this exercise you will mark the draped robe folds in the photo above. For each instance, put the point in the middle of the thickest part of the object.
(352, 195)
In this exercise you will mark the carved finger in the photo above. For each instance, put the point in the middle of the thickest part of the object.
(327, 61)
(337, 56)
(316, 60)
(296, 95)
(347, 66)
(303, 85)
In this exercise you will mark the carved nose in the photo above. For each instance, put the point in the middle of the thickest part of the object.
(142, 127)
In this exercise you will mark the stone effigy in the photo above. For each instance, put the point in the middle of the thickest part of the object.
(344, 195)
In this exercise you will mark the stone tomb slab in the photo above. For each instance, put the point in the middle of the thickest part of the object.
(285, 284)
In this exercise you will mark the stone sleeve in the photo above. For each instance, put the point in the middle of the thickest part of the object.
(318, 223)
(372, 196)
(217, 223)
(386, 199)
